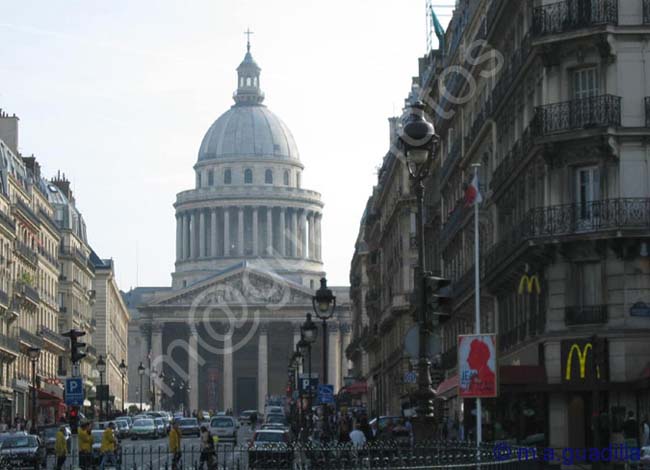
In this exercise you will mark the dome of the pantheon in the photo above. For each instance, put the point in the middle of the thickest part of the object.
(248, 129)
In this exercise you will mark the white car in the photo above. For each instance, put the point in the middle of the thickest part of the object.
(224, 427)
(274, 410)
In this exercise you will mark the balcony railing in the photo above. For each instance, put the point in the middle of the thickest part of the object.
(8, 222)
(28, 292)
(454, 221)
(570, 219)
(26, 252)
(9, 344)
(512, 67)
(586, 315)
(54, 338)
(646, 11)
(27, 212)
(573, 15)
(583, 113)
(30, 338)
(48, 256)
(75, 253)
(452, 158)
(4, 299)
(512, 160)
(477, 125)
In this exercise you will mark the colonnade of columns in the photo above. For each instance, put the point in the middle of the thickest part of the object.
(336, 360)
(248, 231)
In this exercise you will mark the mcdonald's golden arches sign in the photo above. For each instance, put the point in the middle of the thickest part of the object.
(584, 361)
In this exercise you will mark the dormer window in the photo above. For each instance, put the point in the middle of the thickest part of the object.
(268, 176)
(227, 176)
(248, 176)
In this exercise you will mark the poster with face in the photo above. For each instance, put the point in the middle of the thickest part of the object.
(477, 366)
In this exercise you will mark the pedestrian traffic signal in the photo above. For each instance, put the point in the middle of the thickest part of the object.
(76, 348)
(73, 418)
(438, 296)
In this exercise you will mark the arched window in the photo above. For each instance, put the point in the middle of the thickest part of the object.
(268, 176)
(248, 176)
(286, 178)
(227, 176)
(298, 180)
(210, 177)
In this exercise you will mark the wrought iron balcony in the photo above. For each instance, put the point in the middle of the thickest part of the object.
(4, 299)
(454, 221)
(583, 113)
(74, 253)
(48, 256)
(573, 15)
(512, 66)
(452, 158)
(27, 212)
(477, 125)
(30, 339)
(646, 11)
(553, 222)
(586, 315)
(9, 344)
(7, 222)
(53, 337)
(26, 252)
(512, 160)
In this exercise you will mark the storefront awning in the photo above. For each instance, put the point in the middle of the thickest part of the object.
(357, 388)
(47, 396)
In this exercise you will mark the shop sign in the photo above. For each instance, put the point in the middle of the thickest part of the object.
(640, 309)
(477, 364)
(584, 360)
(529, 284)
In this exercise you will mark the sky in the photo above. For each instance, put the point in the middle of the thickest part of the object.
(118, 95)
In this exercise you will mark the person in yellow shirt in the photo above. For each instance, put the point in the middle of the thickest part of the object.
(60, 448)
(175, 445)
(108, 447)
(85, 446)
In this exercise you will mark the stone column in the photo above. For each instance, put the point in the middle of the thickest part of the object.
(255, 240)
(303, 234)
(293, 236)
(346, 333)
(202, 251)
(317, 241)
(193, 240)
(334, 355)
(262, 367)
(283, 232)
(226, 232)
(156, 359)
(240, 232)
(179, 237)
(269, 231)
(296, 334)
(213, 233)
(193, 368)
(310, 237)
(227, 373)
(185, 237)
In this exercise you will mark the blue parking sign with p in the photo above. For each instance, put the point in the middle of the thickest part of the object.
(74, 391)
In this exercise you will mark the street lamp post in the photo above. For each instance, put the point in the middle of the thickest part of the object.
(304, 348)
(123, 369)
(34, 354)
(101, 368)
(324, 303)
(418, 141)
(141, 374)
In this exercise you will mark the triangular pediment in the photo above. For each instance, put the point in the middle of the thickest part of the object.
(242, 286)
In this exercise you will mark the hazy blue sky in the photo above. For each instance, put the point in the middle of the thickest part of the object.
(119, 94)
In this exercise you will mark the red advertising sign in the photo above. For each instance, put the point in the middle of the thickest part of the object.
(477, 366)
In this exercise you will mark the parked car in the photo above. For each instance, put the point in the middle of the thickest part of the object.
(122, 428)
(48, 436)
(273, 410)
(270, 447)
(24, 451)
(189, 427)
(161, 427)
(279, 420)
(144, 428)
(245, 416)
(205, 416)
(6, 435)
(224, 427)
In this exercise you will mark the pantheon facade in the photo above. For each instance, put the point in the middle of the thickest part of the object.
(248, 260)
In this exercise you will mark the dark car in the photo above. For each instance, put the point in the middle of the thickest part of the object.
(23, 451)
(270, 449)
(189, 427)
(48, 435)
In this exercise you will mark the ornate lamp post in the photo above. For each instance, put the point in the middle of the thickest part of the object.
(141, 374)
(324, 303)
(304, 349)
(123, 369)
(34, 354)
(101, 368)
(418, 141)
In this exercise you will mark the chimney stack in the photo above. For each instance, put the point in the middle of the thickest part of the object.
(9, 130)
(61, 182)
(33, 166)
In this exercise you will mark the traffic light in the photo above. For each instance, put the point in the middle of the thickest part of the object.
(73, 418)
(76, 348)
(438, 295)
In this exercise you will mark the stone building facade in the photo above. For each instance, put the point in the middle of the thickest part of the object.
(248, 260)
(557, 117)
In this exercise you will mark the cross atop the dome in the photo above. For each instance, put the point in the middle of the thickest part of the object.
(248, 33)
